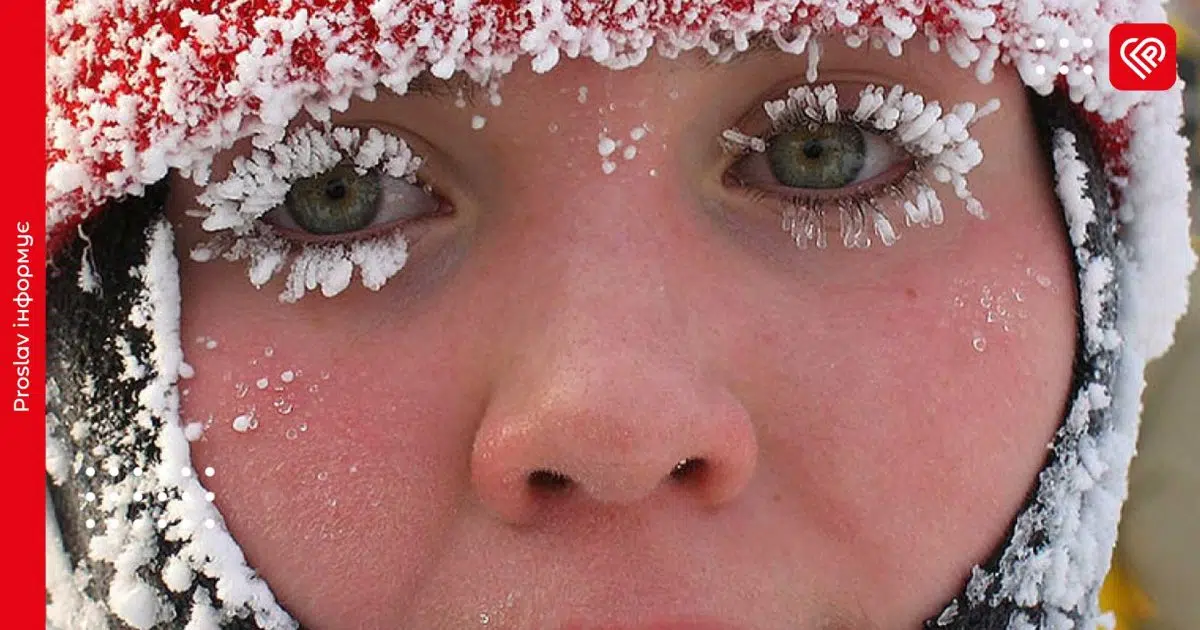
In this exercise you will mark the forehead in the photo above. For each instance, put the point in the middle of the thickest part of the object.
(916, 65)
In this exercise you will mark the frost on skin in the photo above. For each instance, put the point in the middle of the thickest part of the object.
(105, 141)
(244, 422)
(260, 183)
(1061, 544)
(193, 431)
(939, 140)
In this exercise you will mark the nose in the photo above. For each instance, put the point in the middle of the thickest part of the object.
(614, 434)
(608, 400)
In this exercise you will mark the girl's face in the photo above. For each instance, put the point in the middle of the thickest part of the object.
(495, 437)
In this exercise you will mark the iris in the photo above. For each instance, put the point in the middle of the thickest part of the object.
(337, 201)
(820, 156)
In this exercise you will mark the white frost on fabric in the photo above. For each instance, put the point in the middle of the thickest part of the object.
(263, 95)
(176, 574)
(204, 616)
(133, 369)
(67, 607)
(89, 281)
(1079, 496)
(208, 551)
(1157, 232)
(128, 539)
(58, 458)
(1097, 272)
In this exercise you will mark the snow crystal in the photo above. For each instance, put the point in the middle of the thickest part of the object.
(267, 87)
(241, 423)
(133, 369)
(176, 574)
(605, 146)
(287, 376)
(203, 615)
(58, 459)
(477, 122)
(67, 607)
(99, 153)
(193, 431)
(1097, 272)
(89, 280)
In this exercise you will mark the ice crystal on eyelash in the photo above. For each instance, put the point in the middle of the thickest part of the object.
(739, 142)
(259, 183)
(939, 140)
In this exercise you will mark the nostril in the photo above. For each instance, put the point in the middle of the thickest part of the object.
(689, 468)
(549, 480)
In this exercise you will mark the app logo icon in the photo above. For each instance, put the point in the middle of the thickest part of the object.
(1142, 56)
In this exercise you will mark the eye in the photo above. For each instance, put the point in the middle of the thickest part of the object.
(320, 203)
(347, 200)
(830, 164)
(821, 156)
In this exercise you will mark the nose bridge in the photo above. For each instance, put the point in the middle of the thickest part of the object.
(599, 256)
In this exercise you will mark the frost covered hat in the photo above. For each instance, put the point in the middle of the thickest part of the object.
(137, 88)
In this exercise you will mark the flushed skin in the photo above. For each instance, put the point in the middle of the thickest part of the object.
(789, 370)
(609, 326)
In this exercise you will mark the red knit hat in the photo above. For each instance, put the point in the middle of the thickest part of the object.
(137, 87)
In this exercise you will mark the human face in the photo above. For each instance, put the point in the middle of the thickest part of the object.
(868, 421)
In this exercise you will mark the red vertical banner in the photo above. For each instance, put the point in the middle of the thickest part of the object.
(23, 277)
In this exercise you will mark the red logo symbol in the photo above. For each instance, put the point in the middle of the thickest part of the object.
(1142, 56)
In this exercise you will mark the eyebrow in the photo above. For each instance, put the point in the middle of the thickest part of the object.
(759, 46)
(427, 85)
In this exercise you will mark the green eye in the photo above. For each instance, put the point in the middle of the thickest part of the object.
(825, 156)
(337, 201)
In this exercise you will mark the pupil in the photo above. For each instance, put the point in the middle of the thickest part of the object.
(336, 189)
(813, 149)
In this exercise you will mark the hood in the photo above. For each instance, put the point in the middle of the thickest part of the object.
(136, 88)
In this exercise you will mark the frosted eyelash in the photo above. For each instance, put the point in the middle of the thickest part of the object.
(260, 183)
(939, 140)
